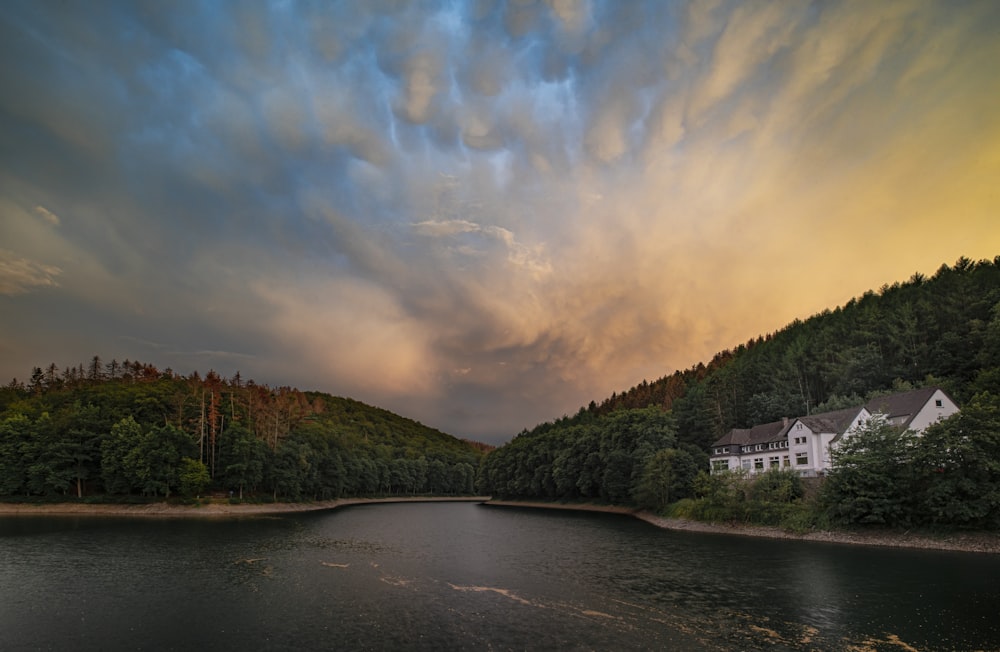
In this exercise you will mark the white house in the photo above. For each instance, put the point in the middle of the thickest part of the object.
(804, 443)
(752, 449)
(811, 438)
(914, 410)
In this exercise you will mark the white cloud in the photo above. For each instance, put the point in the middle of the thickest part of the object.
(20, 275)
(48, 216)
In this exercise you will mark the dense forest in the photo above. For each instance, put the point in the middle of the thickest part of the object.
(129, 429)
(945, 328)
(942, 330)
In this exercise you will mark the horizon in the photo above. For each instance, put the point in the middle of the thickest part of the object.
(480, 217)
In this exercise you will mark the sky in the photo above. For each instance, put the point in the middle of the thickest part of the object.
(480, 215)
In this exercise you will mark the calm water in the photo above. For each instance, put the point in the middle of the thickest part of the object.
(461, 576)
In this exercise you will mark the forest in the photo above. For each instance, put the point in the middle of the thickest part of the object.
(121, 431)
(646, 446)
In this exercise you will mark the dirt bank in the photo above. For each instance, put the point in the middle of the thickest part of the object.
(983, 542)
(212, 509)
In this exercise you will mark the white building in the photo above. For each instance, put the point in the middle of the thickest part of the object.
(804, 443)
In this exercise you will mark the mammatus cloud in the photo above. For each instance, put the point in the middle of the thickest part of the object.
(482, 215)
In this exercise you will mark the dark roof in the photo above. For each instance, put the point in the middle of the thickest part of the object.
(762, 434)
(904, 405)
(837, 421)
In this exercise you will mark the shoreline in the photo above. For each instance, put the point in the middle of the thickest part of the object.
(209, 510)
(977, 542)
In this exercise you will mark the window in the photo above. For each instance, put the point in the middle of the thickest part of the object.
(801, 459)
(798, 426)
(746, 464)
(773, 462)
(720, 465)
(800, 440)
(785, 461)
(938, 403)
(758, 463)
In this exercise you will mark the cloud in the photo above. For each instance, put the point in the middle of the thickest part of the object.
(354, 336)
(47, 216)
(20, 275)
(482, 214)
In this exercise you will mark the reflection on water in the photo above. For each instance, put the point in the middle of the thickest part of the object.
(461, 576)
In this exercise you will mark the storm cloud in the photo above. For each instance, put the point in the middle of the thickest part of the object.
(480, 214)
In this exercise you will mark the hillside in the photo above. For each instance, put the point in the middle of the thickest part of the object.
(121, 429)
(944, 328)
(647, 446)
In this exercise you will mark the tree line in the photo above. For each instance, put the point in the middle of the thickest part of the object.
(626, 457)
(646, 447)
(942, 330)
(129, 429)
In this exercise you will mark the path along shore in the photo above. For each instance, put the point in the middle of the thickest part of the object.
(981, 542)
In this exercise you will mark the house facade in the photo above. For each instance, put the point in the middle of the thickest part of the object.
(803, 444)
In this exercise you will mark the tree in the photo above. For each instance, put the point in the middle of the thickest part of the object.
(958, 467)
(872, 478)
(247, 459)
(16, 431)
(666, 477)
(193, 477)
(117, 472)
(96, 371)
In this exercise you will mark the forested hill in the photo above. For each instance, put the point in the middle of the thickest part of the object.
(647, 446)
(131, 429)
(944, 328)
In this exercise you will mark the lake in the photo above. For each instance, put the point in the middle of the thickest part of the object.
(464, 576)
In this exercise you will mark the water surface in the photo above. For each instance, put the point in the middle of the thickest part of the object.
(462, 576)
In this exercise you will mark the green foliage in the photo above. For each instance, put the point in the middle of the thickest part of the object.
(607, 459)
(946, 327)
(128, 429)
(872, 477)
(668, 475)
(777, 486)
(193, 477)
(774, 498)
(958, 467)
(948, 477)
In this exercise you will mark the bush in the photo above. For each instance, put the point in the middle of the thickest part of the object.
(777, 486)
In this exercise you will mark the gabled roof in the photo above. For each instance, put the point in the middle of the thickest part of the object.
(836, 422)
(904, 405)
(762, 434)
(734, 436)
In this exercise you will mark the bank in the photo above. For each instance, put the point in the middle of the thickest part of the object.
(979, 542)
(209, 509)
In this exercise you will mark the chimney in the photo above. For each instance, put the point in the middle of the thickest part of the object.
(784, 422)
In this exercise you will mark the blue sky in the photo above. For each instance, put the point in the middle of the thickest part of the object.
(478, 214)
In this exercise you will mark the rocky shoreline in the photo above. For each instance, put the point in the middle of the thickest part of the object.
(979, 542)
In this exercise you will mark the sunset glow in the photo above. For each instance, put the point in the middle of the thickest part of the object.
(479, 215)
